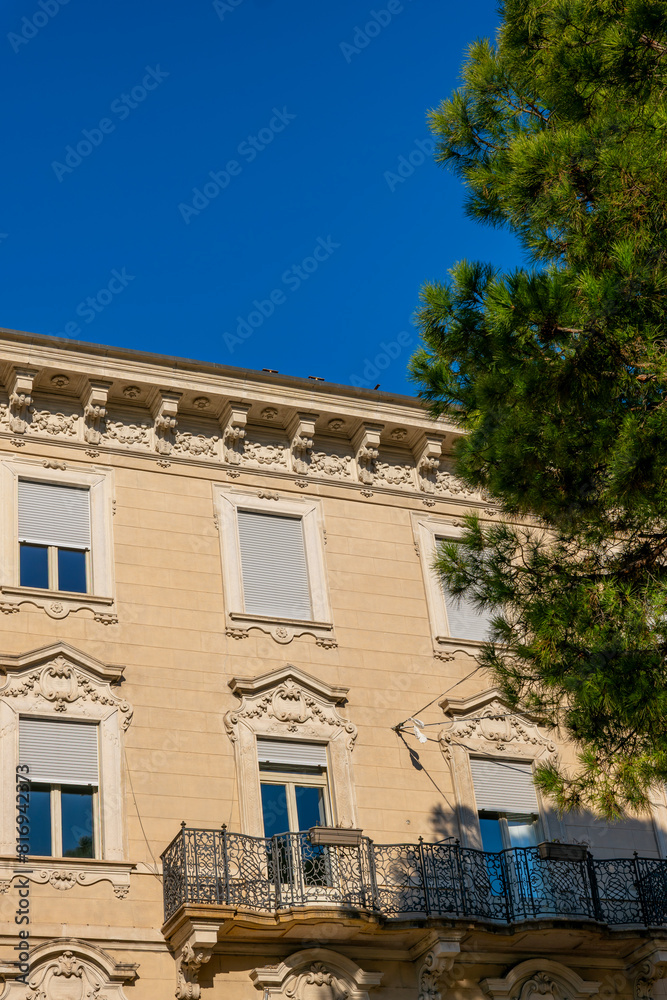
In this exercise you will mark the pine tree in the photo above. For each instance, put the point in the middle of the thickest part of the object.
(557, 371)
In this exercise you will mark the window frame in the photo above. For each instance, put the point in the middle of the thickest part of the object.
(428, 531)
(292, 778)
(100, 595)
(55, 791)
(227, 503)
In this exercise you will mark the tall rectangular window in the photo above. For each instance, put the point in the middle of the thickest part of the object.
(507, 804)
(464, 619)
(274, 566)
(63, 776)
(54, 536)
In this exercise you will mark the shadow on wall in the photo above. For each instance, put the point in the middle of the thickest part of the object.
(603, 838)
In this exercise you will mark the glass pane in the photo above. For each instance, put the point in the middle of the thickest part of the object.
(274, 809)
(492, 837)
(72, 570)
(34, 566)
(522, 831)
(77, 813)
(39, 821)
(310, 806)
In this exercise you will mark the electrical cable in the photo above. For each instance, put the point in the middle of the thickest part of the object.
(129, 774)
(438, 697)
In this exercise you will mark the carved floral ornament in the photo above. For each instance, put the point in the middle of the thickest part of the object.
(316, 974)
(484, 723)
(61, 683)
(290, 706)
(540, 979)
(161, 422)
(69, 970)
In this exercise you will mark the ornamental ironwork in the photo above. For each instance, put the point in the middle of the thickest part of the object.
(413, 881)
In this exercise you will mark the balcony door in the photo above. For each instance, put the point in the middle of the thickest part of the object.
(295, 797)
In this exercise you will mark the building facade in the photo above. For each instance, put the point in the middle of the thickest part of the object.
(244, 741)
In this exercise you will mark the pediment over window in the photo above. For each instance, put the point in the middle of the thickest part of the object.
(289, 702)
(315, 974)
(485, 723)
(69, 968)
(63, 678)
(540, 979)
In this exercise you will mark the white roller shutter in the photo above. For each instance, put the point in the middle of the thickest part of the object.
(273, 561)
(465, 620)
(54, 515)
(59, 753)
(292, 753)
(504, 787)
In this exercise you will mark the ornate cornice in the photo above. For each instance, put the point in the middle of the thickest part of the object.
(220, 417)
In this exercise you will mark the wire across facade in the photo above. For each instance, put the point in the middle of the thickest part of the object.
(420, 880)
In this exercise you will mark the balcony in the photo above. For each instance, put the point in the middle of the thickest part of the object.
(230, 877)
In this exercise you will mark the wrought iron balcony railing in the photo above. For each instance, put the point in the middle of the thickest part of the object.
(443, 880)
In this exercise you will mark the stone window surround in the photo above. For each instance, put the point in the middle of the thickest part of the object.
(427, 530)
(290, 704)
(60, 683)
(227, 502)
(478, 726)
(58, 604)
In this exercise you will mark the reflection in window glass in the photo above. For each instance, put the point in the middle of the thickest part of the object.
(72, 570)
(274, 809)
(34, 568)
(39, 821)
(76, 805)
(310, 806)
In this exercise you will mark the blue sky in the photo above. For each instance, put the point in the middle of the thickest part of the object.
(221, 180)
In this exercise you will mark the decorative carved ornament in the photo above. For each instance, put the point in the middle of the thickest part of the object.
(315, 974)
(68, 968)
(540, 979)
(437, 969)
(294, 703)
(647, 972)
(291, 705)
(147, 420)
(62, 680)
(484, 723)
(189, 963)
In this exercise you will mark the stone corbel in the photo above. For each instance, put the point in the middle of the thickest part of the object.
(20, 398)
(366, 444)
(190, 958)
(233, 422)
(647, 972)
(165, 417)
(435, 968)
(94, 403)
(427, 453)
(301, 430)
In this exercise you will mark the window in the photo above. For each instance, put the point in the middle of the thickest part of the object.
(63, 775)
(293, 781)
(464, 620)
(273, 565)
(507, 804)
(295, 797)
(54, 536)
(455, 622)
